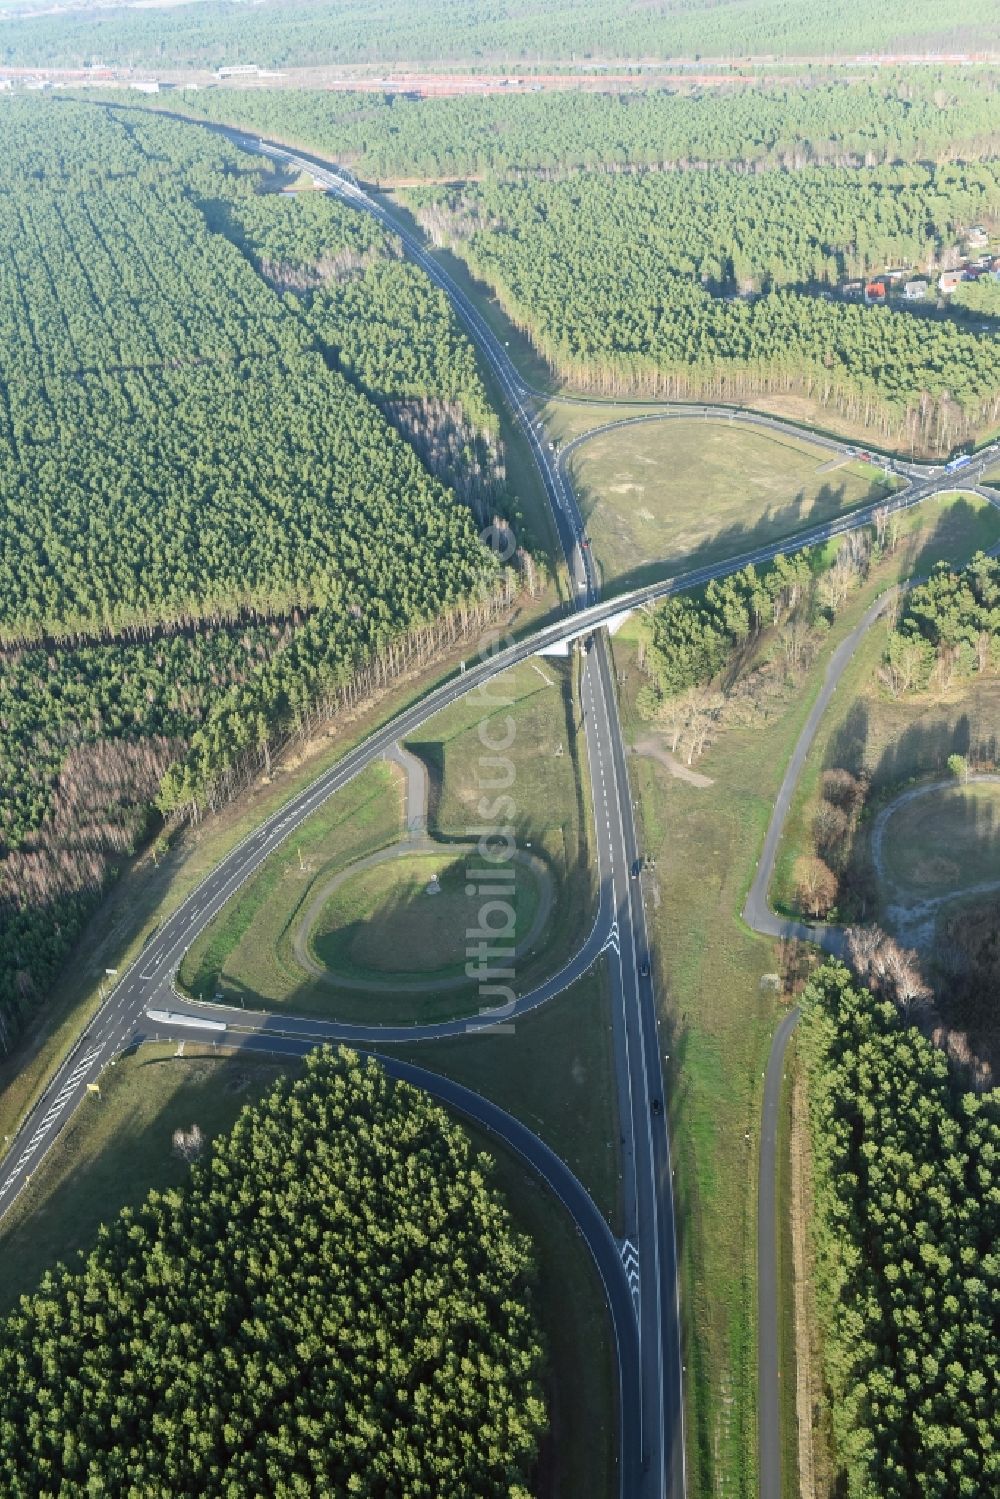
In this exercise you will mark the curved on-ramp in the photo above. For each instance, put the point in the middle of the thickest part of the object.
(149, 980)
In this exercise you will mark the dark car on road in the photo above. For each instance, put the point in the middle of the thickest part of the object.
(644, 968)
(657, 1106)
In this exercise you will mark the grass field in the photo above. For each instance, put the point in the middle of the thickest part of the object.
(943, 841)
(671, 495)
(717, 1019)
(116, 1148)
(239, 953)
(119, 1148)
(382, 922)
(247, 953)
(553, 1069)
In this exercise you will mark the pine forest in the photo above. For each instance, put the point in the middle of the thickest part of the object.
(224, 503)
(335, 1298)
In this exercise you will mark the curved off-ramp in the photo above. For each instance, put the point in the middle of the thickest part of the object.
(658, 1431)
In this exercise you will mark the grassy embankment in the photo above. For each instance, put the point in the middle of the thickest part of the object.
(385, 924)
(118, 1148)
(717, 1019)
(672, 495)
(247, 953)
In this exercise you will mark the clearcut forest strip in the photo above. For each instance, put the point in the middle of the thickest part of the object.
(309, 32)
(227, 507)
(715, 284)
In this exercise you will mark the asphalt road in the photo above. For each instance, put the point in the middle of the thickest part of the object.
(652, 1447)
(652, 1396)
(768, 1350)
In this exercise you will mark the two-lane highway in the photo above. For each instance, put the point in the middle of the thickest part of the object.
(652, 1458)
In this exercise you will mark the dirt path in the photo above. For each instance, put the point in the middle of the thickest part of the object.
(415, 841)
(653, 750)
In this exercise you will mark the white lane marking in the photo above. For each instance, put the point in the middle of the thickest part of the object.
(630, 1260)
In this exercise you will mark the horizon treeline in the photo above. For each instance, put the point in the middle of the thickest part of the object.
(313, 32)
(888, 117)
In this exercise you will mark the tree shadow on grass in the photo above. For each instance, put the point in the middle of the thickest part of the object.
(775, 523)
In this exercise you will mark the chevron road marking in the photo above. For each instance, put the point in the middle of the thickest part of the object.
(630, 1259)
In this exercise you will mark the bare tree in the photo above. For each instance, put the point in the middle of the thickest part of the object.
(843, 789)
(673, 714)
(863, 943)
(903, 978)
(795, 640)
(880, 519)
(816, 885)
(703, 709)
(830, 826)
(884, 965)
(984, 650)
(189, 1143)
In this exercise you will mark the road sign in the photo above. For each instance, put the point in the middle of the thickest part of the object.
(94, 1088)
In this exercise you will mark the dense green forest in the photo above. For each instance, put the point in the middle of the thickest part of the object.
(175, 446)
(213, 529)
(306, 32)
(916, 115)
(337, 1298)
(907, 1218)
(949, 627)
(689, 639)
(384, 324)
(711, 283)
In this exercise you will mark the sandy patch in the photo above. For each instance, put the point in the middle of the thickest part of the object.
(654, 750)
